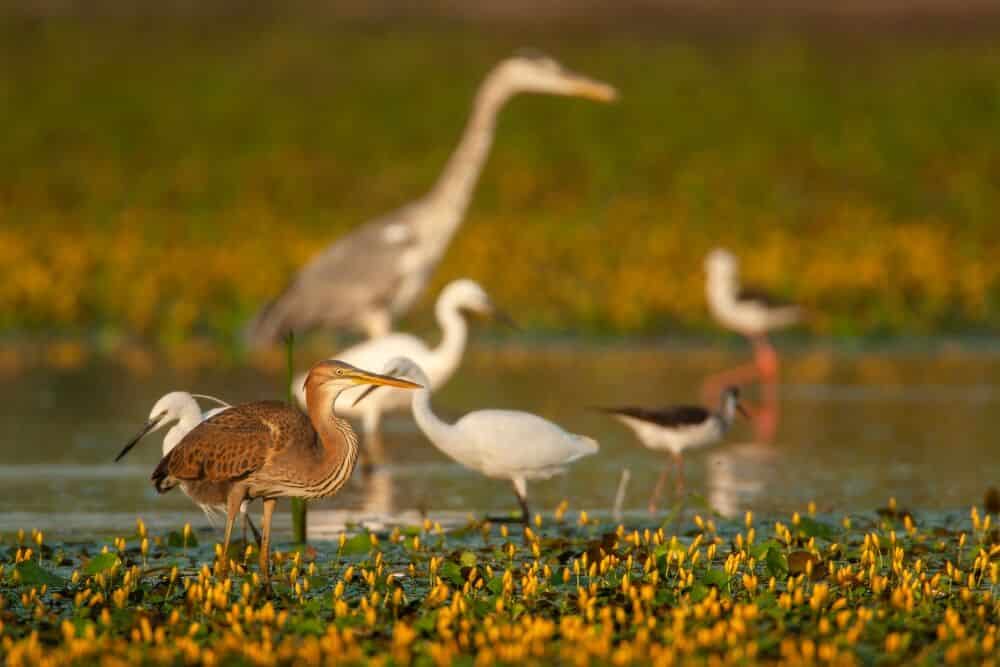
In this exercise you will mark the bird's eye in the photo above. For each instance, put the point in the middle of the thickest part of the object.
(340, 371)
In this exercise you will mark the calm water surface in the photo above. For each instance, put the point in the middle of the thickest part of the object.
(855, 428)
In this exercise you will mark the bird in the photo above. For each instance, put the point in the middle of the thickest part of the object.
(271, 450)
(677, 428)
(457, 298)
(375, 273)
(501, 444)
(182, 408)
(750, 312)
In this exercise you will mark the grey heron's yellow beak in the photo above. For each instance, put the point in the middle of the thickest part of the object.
(593, 90)
(147, 427)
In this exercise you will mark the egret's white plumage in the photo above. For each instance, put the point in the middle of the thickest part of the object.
(181, 409)
(440, 362)
(502, 444)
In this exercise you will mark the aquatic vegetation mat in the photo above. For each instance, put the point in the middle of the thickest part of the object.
(882, 588)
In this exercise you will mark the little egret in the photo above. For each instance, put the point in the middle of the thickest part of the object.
(440, 363)
(676, 428)
(182, 408)
(270, 449)
(375, 273)
(502, 444)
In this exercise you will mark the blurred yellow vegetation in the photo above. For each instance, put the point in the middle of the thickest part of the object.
(859, 181)
(856, 275)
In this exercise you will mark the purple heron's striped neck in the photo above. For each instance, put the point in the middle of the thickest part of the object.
(338, 443)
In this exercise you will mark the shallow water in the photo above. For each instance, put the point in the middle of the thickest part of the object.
(855, 428)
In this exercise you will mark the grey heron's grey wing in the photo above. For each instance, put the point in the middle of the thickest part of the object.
(356, 274)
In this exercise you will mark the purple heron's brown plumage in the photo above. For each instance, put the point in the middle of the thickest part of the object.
(270, 449)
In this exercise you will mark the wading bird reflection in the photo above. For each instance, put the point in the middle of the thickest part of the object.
(270, 450)
(376, 273)
(502, 444)
(181, 409)
(677, 428)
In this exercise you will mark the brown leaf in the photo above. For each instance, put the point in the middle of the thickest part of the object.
(798, 564)
(991, 503)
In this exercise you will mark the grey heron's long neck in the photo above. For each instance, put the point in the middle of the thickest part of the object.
(455, 333)
(453, 190)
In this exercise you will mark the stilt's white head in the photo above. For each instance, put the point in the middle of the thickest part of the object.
(723, 271)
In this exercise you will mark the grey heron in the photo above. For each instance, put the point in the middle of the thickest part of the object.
(375, 273)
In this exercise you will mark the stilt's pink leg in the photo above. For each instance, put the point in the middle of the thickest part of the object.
(658, 489)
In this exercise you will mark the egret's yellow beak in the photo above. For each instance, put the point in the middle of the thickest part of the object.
(743, 411)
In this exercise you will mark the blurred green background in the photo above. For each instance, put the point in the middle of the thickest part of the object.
(162, 175)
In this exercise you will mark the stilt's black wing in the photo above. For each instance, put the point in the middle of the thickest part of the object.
(671, 416)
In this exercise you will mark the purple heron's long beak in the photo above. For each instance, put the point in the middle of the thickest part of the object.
(375, 380)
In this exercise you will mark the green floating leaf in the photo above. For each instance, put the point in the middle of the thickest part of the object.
(101, 563)
(359, 544)
(699, 592)
(175, 539)
(812, 528)
(468, 559)
(33, 574)
(451, 572)
(775, 562)
(716, 578)
(760, 549)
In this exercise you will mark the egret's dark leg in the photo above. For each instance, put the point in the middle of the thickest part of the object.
(265, 543)
(521, 491)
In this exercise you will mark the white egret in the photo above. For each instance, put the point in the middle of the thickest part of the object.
(181, 409)
(502, 444)
(440, 362)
